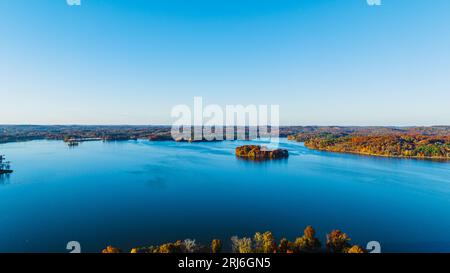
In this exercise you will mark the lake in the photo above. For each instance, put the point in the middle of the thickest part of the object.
(135, 193)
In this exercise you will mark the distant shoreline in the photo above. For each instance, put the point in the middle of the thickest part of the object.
(437, 159)
(429, 143)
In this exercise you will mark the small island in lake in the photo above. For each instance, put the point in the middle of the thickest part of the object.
(257, 152)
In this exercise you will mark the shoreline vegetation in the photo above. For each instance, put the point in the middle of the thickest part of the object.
(395, 146)
(401, 142)
(336, 242)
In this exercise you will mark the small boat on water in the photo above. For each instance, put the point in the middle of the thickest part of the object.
(73, 143)
(4, 165)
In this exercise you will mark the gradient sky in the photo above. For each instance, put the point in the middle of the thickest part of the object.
(325, 62)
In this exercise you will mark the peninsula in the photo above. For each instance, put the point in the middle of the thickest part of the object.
(392, 144)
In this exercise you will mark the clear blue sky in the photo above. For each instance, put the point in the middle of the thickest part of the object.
(325, 62)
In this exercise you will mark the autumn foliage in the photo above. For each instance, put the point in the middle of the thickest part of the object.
(414, 146)
(257, 152)
(337, 242)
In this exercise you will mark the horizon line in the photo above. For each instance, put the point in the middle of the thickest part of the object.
(168, 125)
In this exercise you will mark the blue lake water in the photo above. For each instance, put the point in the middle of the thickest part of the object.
(137, 193)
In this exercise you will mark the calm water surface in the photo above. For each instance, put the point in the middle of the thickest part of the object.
(139, 193)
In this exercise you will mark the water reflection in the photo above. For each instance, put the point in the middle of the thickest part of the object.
(279, 161)
(4, 178)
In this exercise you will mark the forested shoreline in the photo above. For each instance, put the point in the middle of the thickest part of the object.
(402, 146)
(410, 142)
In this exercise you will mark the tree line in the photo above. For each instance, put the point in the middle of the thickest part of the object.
(336, 242)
